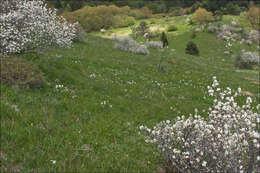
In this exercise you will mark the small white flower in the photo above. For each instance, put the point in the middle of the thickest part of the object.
(53, 161)
(204, 164)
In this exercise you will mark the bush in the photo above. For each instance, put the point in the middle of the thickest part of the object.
(253, 16)
(226, 141)
(201, 15)
(192, 49)
(246, 60)
(140, 30)
(96, 18)
(172, 28)
(17, 72)
(154, 44)
(193, 35)
(254, 36)
(80, 34)
(142, 13)
(232, 8)
(29, 25)
(218, 15)
(130, 45)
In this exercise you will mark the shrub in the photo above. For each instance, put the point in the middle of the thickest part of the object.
(192, 48)
(172, 28)
(140, 30)
(193, 35)
(30, 24)
(141, 13)
(201, 15)
(246, 60)
(80, 34)
(143, 28)
(218, 15)
(17, 72)
(154, 44)
(232, 8)
(228, 140)
(129, 21)
(254, 35)
(164, 39)
(253, 16)
(130, 45)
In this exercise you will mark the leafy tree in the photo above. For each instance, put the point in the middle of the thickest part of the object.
(201, 15)
(164, 39)
(254, 16)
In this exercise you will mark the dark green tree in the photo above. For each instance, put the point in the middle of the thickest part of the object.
(164, 39)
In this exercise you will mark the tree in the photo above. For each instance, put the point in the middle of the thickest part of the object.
(164, 39)
(201, 15)
(254, 16)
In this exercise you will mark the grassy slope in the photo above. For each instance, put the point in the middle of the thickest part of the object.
(83, 135)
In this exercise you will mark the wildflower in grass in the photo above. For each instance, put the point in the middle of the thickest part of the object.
(53, 161)
(92, 76)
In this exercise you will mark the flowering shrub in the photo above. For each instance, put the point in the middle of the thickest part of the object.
(154, 44)
(130, 45)
(254, 36)
(26, 25)
(227, 141)
(247, 59)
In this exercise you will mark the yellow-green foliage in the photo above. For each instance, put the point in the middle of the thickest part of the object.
(18, 72)
(253, 15)
(95, 18)
(201, 15)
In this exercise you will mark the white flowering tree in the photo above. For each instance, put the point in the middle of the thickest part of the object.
(227, 141)
(26, 25)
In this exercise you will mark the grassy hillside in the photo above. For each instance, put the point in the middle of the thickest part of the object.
(91, 124)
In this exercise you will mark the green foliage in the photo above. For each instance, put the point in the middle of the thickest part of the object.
(218, 15)
(232, 8)
(140, 30)
(20, 73)
(202, 16)
(193, 35)
(164, 39)
(172, 28)
(253, 16)
(80, 34)
(192, 49)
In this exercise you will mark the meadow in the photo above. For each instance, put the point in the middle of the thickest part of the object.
(87, 116)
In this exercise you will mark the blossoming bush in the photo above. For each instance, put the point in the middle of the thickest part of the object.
(26, 25)
(154, 44)
(246, 60)
(130, 45)
(227, 141)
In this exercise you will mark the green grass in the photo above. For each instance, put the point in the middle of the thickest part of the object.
(71, 125)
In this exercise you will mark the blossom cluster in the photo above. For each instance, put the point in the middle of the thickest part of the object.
(154, 44)
(130, 45)
(26, 25)
(228, 140)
